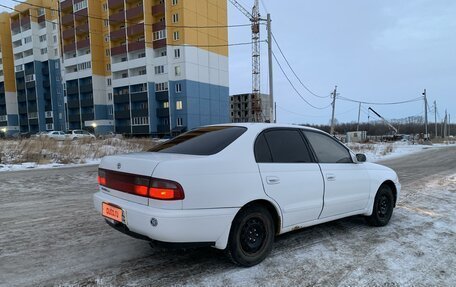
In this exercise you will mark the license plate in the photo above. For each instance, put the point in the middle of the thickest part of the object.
(112, 212)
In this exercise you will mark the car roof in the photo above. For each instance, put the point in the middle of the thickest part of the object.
(263, 126)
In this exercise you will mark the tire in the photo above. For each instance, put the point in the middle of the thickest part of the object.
(251, 236)
(383, 207)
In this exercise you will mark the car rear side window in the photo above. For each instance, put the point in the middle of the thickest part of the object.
(285, 145)
(327, 149)
(202, 141)
(262, 152)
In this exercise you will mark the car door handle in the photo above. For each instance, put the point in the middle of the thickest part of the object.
(330, 177)
(272, 180)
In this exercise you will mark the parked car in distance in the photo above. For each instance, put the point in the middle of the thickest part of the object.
(79, 134)
(236, 186)
(56, 135)
(39, 135)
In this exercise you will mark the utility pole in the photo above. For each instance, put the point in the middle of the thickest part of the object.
(445, 125)
(435, 116)
(449, 125)
(359, 114)
(333, 109)
(425, 115)
(271, 95)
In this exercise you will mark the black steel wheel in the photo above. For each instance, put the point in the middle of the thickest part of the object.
(383, 207)
(251, 236)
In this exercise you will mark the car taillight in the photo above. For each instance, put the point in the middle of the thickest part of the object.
(165, 190)
(154, 188)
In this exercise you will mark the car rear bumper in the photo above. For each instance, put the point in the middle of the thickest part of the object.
(173, 226)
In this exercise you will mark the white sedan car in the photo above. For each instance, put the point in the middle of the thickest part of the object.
(56, 135)
(237, 186)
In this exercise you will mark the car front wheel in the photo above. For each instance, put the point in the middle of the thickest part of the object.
(383, 207)
(251, 236)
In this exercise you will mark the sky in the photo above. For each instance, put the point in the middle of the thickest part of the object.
(374, 51)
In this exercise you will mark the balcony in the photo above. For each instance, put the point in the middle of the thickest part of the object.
(82, 29)
(118, 35)
(163, 112)
(86, 88)
(67, 20)
(21, 98)
(72, 104)
(135, 46)
(87, 117)
(15, 25)
(67, 4)
(159, 44)
(135, 12)
(122, 49)
(139, 97)
(25, 21)
(30, 85)
(140, 113)
(81, 15)
(115, 4)
(31, 96)
(83, 43)
(74, 118)
(137, 29)
(22, 109)
(69, 47)
(20, 86)
(158, 26)
(87, 102)
(72, 90)
(117, 17)
(161, 96)
(158, 9)
(119, 99)
(41, 20)
(122, 114)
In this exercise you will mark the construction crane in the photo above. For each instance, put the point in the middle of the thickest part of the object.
(384, 120)
(254, 18)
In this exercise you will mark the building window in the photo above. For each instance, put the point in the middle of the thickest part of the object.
(159, 69)
(54, 26)
(109, 96)
(84, 66)
(179, 105)
(56, 65)
(105, 6)
(40, 12)
(177, 53)
(108, 67)
(55, 38)
(109, 82)
(176, 35)
(174, 2)
(138, 121)
(159, 35)
(80, 5)
(108, 52)
(160, 87)
(44, 51)
(175, 18)
(106, 38)
(43, 38)
(180, 122)
(19, 68)
(106, 23)
(178, 87)
(110, 110)
(27, 39)
(165, 105)
(177, 70)
(56, 52)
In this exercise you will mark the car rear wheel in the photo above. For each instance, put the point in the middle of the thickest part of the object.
(383, 207)
(251, 236)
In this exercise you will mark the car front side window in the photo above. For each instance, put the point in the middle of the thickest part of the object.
(327, 149)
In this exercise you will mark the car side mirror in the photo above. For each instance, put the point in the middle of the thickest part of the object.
(360, 157)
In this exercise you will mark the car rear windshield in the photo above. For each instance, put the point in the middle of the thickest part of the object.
(202, 141)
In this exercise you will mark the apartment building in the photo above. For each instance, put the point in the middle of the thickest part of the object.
(9, 121)
(35, 43)
(169, 73)
(250, 108)
(129, 66)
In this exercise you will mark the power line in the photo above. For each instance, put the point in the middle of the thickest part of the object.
(386, 103)
(294, 88)
(314, 116)
(292, 70)
(118, 21)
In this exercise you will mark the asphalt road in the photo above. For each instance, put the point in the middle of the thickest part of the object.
(51, 235)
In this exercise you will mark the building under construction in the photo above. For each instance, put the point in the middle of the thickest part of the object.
(250, 108)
